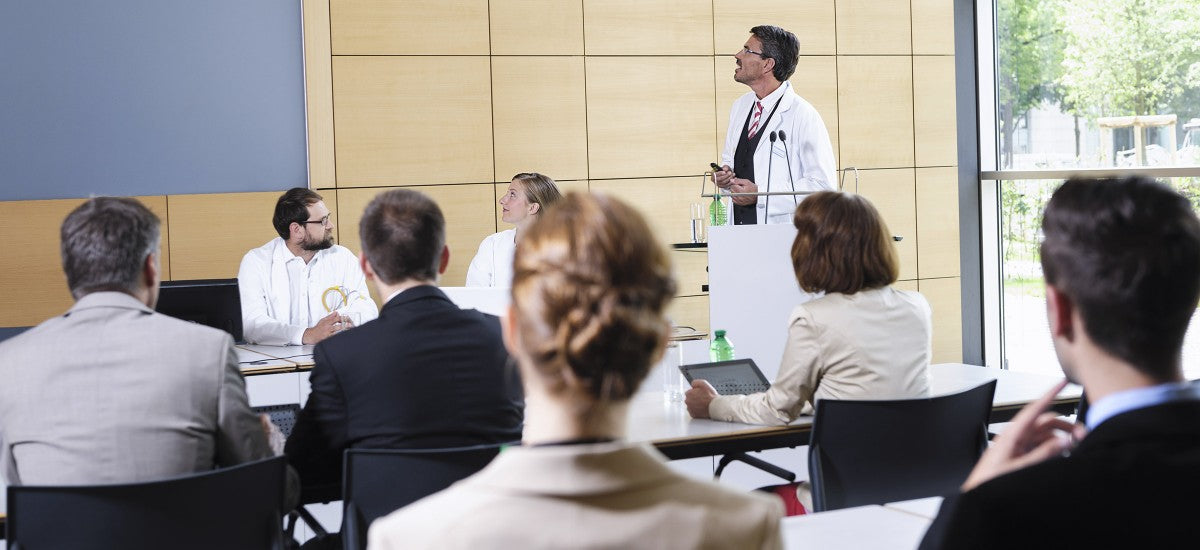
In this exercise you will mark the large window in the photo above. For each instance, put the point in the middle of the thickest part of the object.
(1076, 87)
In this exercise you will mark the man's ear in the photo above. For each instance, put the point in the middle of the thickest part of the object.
(1060, 314)
(366, 266)
(769, 65)
(508, 330)
(150, 270)
(445, 260)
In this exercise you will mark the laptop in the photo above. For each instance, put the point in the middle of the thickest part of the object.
(736, 377)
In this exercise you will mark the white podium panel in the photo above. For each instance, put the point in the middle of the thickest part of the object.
(752, 289)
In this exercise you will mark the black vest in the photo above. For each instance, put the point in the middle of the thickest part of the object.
(743, 165)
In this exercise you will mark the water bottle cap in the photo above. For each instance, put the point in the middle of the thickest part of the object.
(720, 334)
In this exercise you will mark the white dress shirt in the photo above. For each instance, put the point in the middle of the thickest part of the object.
(282, 296)
(493, 264)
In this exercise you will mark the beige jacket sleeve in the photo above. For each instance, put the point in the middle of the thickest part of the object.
(799, 373)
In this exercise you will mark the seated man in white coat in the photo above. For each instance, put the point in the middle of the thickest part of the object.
(776, 140)
(300, 288)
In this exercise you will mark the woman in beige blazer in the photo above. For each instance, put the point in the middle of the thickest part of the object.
(862, 340)
(586, 323)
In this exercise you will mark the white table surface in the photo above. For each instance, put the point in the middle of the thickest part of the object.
(299, 355)
(252, 362)
(861, 528)
(921, 507)
(651, 418)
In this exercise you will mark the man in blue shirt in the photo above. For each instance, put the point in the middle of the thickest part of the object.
(1122, 265)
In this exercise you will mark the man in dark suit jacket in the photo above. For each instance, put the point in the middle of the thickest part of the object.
(425, 374)
(1122, 265)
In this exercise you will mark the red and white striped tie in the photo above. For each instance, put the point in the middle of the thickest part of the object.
(754, 123)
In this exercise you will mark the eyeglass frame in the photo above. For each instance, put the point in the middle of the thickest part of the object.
(325, 222)
(760, 54)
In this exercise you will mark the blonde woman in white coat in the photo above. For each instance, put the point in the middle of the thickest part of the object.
(527, 196)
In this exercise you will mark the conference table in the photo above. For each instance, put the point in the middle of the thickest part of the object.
(669, 427)
(678, 436)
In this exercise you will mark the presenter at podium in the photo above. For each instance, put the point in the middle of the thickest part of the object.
(776, 141)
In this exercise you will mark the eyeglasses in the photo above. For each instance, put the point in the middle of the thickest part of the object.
(760, 54)
(323, 221)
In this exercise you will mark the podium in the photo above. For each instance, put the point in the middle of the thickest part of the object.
(752, 289)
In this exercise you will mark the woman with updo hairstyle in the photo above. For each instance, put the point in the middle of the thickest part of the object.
(527, 197)
(862, 339)
(585, 326)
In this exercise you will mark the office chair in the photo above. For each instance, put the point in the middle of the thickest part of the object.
(874, 452)
(233, 508)
(377, 481)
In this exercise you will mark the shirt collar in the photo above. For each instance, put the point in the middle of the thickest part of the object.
(284, 254)
(1139, 398)
(773, 97)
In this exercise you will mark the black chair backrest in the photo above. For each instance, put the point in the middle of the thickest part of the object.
(283, 416)
(376, 482)
(233, 508)
(874, 452)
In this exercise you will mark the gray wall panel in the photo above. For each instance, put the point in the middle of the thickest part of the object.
(150, 97)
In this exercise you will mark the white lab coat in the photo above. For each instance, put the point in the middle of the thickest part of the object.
(492, 265)
(808, 145)
(282, 296)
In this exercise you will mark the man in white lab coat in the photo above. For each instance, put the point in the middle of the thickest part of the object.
(776, 140)
(300, 288)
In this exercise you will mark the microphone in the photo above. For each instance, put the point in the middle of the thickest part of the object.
(791, 182)
(770, 159)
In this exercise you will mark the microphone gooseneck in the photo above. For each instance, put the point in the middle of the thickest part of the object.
(788, 156)
(770, 158)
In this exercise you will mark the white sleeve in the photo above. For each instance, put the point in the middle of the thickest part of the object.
(480, 271)
(731, 137)
(258, 327)
(814, 152)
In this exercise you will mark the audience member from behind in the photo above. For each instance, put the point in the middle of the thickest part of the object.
(1121, 260)
(862, 340)
(300, 288)
(527, 196)
(586, 324)
(110, 391)
(425, 374)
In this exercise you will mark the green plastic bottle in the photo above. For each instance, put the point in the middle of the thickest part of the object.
(716, 211)
(720, 349)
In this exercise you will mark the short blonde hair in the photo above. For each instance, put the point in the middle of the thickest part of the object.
(842, 244)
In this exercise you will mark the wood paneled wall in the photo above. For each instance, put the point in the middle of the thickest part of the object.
(630, 97)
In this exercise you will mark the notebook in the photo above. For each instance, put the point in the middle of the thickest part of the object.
(736, 377)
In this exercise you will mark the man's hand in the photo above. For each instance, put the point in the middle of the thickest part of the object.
(698, 398)
(1033, 435)
(742, 185)
(328, 326)
(275, 438)
(723, 177)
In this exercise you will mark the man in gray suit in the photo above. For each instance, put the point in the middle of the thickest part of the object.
(110, 391)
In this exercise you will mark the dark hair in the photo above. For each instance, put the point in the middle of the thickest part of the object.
(539, 189)
(105, 242)
(292, 207)
(1127, 253)
(590, 285)
(780, 45)
(842, 244)
(403, 234)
